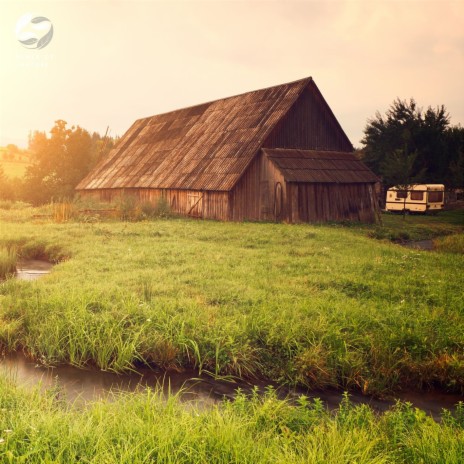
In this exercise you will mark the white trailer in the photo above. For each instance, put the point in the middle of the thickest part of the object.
(416, 198)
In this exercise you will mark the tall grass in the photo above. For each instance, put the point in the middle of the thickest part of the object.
(130, 209)
(450, 244)
(321, 306)
(63, 211)
(37, 427)
(8, 258)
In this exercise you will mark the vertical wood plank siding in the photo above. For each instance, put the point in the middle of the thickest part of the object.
(253, 198)
(309, 125)
(331, 202)
(213, 205)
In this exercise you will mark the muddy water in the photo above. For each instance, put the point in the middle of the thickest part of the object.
(32, 269)
(420, 245)
(80, 386)
(83, 385)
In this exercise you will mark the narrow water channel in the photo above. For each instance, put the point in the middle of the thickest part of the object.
(84, 385)
(80, 386)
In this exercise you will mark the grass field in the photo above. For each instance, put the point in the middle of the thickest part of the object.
(13, 168)
(299, 304)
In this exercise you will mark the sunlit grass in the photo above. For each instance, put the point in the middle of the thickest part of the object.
(37, 427)
(315, 305)
(8, 259)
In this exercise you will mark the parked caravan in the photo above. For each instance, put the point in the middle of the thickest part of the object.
(417, 198)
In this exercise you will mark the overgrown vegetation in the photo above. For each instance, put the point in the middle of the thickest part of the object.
(450, 244)
(299, 304)
(7, 261)
(416, 227)
(36, 428)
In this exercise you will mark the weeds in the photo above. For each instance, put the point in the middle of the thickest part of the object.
(450, 244)
(8, 258)
(63, 212)
(313, 305)
(130, 209)
(35, 428)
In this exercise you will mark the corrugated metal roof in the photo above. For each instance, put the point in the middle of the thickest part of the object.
(320, 166)
(184, 149)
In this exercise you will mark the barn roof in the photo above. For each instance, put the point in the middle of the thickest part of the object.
(204, 147)
(320, 166)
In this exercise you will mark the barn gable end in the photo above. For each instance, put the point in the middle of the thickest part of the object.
(309, 125)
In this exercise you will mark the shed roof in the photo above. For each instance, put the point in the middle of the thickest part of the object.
(204, 147)
(320, 166)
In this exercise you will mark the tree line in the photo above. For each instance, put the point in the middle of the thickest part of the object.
(410, 145)
(58, 162)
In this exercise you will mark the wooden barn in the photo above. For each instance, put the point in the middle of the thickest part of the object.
(276, 154)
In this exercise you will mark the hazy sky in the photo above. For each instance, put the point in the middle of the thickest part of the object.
(111, 62)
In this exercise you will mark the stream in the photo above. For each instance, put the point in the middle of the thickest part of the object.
(80, 386)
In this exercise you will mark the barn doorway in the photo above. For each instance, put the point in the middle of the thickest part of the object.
(195, 204)
(278, 201)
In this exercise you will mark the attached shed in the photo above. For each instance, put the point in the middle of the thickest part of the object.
(271, 154)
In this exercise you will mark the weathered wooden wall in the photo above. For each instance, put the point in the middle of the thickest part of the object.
(254, 196)
(331, 202)
(310, 125)
(194, 203)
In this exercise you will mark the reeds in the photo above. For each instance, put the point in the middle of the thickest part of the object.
(8, 258)
(63, 211)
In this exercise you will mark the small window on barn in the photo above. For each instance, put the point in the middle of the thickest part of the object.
(417, 196)
(401, 194)
(435, 197)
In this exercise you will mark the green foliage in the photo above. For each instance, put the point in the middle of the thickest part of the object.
(149, 427)
(8, 258)
(315, 305)
(450, 244)
(60, 162)
(409, 144)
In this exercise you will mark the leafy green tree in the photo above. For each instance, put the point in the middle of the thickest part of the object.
(408, 142)
(60, 162)
(7, 191)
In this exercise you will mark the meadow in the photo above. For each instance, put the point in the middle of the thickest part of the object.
(319, 306)
(311, 305)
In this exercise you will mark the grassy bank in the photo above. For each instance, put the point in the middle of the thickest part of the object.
(36, 428)
(314, 305)
(7, 262)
